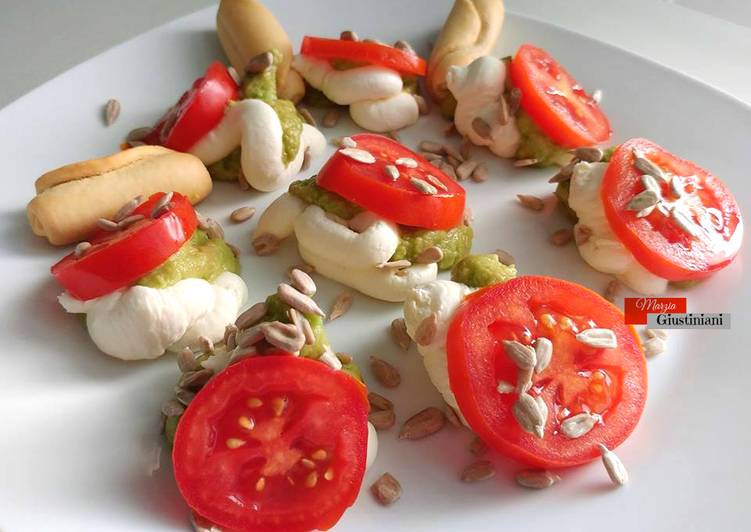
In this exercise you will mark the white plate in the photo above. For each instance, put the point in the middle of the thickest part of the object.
(79, 428)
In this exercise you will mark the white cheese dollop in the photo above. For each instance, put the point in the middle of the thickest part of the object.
(478, 89)
(255, 127)
(603, 250)
(142, 322)
(442, 298)
(374, 93)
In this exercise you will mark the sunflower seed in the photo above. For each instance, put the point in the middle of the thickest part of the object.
(468, 216)
(477, 447)
(302, 281)
(613, 465)
(465, 147)
(348, 35)
(406, 162)
(650, 183)
(426, 331)
(298, 300)
(503, 111)
(392, 171)
(536, 479)
(330, 359)
(582, 234)
(173, 407)
(564, 174)
(230, 330)
(234, 74)
(404, 46)
(423, 424)
(543, 406)
(597, 96)
(514, 99)
(453, 161)
(341, 305)
(544, 353)
(643, 200)
(393, 135)
(130, 220)
(259, 63)
(561, 237)
(683, 220)
(186, 360)
(481, 128)
(399, 333)
(524, 379)
(448, 170)
(648, 167)
(127, 209)
(358, 155)
(195, 380)
(242, 214)
(598, 337)
(430, 255)
(646, 212)
(305, 159)
(520, 163)
(242, 181)
(505, 387)
(578, 425)
(284, 336)
(478, 471)
(466, 169)
(162, 205)
(588, 154)
(382, 419)
(423, 186)
(207, 345)
(437, 182)
(394, 264)
(386, 374)
(452, 417)
(111, 111)
(527, 412)
(379, 402)
(307, 116)
(331, 118)
(531, 202)
(266, 244)
(449, 130)
(81, 249)
(480, 173)
(611, 290)
(504, 257)
(138, 134)
(107, 225)
(656, 333)
(522, 355)
(184, 396)
(251, 316)
(386, 489)
(653, 347)
(307, 331)
(432, 147)
(422, 104)
(250, 337)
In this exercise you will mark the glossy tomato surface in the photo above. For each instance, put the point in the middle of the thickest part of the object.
(364, 52)
(273, 443)
(198, 111)
(609, 383)
(118, 259)
(658, 241)
(554, 100)
(370, 186)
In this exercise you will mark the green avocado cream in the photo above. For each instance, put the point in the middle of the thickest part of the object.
(536, 145)
(562, 189)
(262, 86)
(200, 257)
(454, 243)
(309, 191)
(227, 169)
(477, 271)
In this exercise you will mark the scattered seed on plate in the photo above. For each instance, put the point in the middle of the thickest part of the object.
(582, 234)
(432, 147)
(138, 134)
(399, 333)
(111, 111)
(423, 424)
(331, 118)
(521, 163)
(465, 147)
(266, 244)
(307, 116)
(448, 170)
(379, 402)
(531, 202)
(536, 479)
(242, 214)
(358, 155)
(653, 347)
(341, 305)
(611, 290)
(561, 237)
(382, 419)
(449, 130)
(466, 169)
(477, 447)
(613, 465)
(452, 417)
(386, 489)
(386, 374)
(481, 127)
(480, 173)
(478, 471)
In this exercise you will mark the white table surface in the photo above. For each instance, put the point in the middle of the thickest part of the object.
(40, 39)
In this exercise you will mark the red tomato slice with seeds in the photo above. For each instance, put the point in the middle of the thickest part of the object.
(198, 111)
(658, 241)
(118, 259)
(273, 443)
(608, 383)
(557, 104)
(364, 52)
(402, 200)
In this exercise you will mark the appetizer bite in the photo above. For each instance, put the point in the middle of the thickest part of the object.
(378, 82)
(527, 107)
(544, 371)
(71, 199)
(154, 277)
(377, 217)
(649, 217)
(269, 428)
(246, 133)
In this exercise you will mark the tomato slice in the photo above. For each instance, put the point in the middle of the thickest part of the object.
(659, 243)
(364, 52)
(554, 100)
(273, 443)
(198, 111)
(610, 384)
(118, 259)
(400, 201)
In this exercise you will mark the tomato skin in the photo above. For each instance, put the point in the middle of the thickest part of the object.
(473, 350)
(367, 52)
(369, 186)
(656, 243)
(211, 477)
(198, 111)
(555, 101)
(117, 260)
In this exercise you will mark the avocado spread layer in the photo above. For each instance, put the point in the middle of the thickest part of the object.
(200, 257)
(537, 145)
(478, 271)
